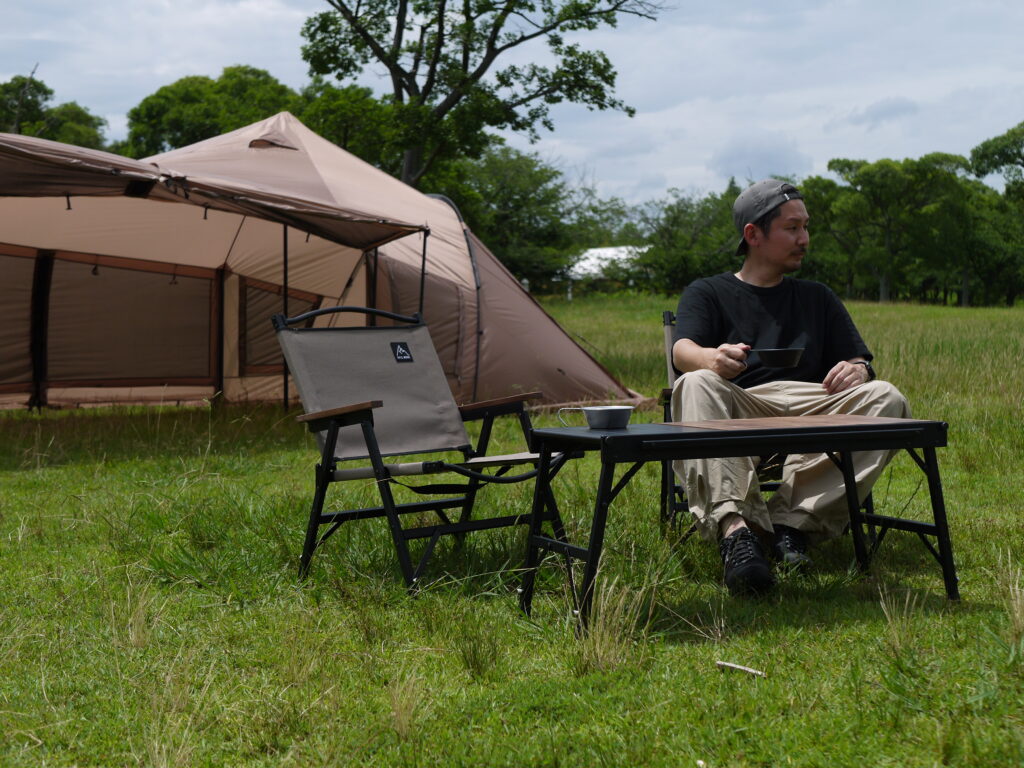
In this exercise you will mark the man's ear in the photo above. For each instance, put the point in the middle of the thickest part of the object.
(752, 234)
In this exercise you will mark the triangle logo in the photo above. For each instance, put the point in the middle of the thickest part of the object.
(401, 351)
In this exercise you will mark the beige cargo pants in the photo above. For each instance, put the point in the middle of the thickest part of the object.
(812, 496)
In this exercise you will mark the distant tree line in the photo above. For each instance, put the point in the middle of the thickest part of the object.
(925, 229)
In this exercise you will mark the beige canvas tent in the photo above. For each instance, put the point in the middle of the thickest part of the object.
(155, 280)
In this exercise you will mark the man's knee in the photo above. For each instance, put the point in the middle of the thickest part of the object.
(886, 400)
(702, 380)
(699, 395)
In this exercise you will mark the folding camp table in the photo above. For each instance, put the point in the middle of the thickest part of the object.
(838, 436)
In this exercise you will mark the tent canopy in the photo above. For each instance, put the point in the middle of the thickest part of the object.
(135, 280)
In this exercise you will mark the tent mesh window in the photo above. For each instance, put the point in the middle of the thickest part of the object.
(15, 331)
(258, 350)
(115, 325)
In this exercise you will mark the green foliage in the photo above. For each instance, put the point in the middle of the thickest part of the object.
(690, 237)
(441, 59)
(1003, 154)
(516, 204)
(916, 228)
(25, 109)
(72, 124)
(23, 102)
(526, 211)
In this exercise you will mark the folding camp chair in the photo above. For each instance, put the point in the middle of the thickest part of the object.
(376, 391)
(674, 505)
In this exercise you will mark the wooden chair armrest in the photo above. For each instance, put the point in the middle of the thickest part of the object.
(346, 414)
(497, 406)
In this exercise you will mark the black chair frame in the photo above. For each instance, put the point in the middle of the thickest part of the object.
(459, 496)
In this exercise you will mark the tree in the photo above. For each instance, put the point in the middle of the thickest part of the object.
(22, 102)
(888, 213)
(518, 205)
(1003, 154)
(535, 220)
(24, 109)
(835, 246)
(73, 124)
(441, 57)
(690, 236)
(977, 245)
(197, 107)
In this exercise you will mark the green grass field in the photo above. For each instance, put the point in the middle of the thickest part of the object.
(150, 612)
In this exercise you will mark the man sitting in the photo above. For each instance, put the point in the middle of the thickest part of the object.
(719, 321)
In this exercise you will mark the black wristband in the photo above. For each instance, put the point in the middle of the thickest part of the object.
(866, 364)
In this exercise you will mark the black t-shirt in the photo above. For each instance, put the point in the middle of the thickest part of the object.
(795, 313)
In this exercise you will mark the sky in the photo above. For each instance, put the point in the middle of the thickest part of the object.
(737, 89)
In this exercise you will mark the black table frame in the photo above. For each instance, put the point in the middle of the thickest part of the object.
(641, 443)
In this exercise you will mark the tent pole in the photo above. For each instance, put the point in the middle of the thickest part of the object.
(479, 309)
(219, 395)
(423, 269)
(284, 308)
(39, 328)
(371, 279)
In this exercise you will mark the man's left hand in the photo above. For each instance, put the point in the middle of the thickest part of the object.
(843, 376)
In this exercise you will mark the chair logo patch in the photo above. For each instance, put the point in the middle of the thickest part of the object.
(400, 349)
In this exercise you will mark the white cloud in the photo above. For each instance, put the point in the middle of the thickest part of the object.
(110, 55)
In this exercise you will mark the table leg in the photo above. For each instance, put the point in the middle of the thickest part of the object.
(941, 525)
(604, 497)
(860, 549)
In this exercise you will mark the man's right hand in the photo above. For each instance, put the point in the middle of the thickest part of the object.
(728, 360)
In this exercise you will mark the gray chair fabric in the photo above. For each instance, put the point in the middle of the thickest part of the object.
(395, 364)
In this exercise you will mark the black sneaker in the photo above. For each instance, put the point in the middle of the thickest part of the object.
(746, 570)
(790, 548)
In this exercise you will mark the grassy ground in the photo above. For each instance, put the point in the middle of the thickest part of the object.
(150, 613)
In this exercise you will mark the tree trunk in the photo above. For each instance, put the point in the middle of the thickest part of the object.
(965, 289)
(883, 288)
(412, 165)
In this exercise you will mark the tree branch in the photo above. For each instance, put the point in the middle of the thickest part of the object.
(399, 77)
(467, 36)
(396, 42)
(436, 56)
(417, 58)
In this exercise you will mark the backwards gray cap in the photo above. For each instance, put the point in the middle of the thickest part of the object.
(757, 200)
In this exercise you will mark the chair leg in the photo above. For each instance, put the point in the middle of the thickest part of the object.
(324, 475)
(388, 503)
(313, 527)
